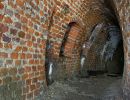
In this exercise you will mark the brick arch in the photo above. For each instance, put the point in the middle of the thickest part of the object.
(72, 39)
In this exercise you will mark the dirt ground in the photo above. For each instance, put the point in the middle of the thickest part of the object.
(99, 87)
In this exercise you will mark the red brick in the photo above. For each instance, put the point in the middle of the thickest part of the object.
(24, 20)
(3, 28)
(24, 49)
(14, 55)
(8, 20)
(41, 78)
(22, 56)
(18, 62)
(1, 45)
(41, 13)
(25, 28)
(28, 81)
(25, 76)
(1, 6)
(31, 62)
(58, 2)
(3, 55)
(1, 17)
(18, 49)
(30, 75)
(29, 43)
(19, 2)
(27, 69)
(30, 31)
(30, 23)
(29, 56)
(8, 46)
(32, 87)
(34, 68)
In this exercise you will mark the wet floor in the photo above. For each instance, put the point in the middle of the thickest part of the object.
(99, 87)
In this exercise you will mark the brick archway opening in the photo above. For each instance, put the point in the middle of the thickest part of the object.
(67, 65)
(103, 51)
(119, 55)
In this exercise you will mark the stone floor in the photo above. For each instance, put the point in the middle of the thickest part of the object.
(99, 87)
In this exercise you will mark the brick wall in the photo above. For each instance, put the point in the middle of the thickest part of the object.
(122, 11)
(94, 62)
(84, 20)
(22, 50)
(25, 28)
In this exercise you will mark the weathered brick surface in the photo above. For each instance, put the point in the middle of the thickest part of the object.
(25, 28)
(122, 10)
(93, 54)
(22, 49)
(80, 25)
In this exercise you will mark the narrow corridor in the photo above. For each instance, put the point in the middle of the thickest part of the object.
(101, 87)
(54, 49)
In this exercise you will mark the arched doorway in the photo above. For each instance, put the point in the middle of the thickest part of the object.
(70, 49)
(104, 51)
(67, 65)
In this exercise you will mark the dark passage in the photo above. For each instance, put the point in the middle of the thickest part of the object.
(112, 54)
(101, 64)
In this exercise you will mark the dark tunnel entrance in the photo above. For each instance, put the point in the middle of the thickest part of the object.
(101, 60)
(114, 55)
(103, 51)
(118, 57)
(115, 66)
